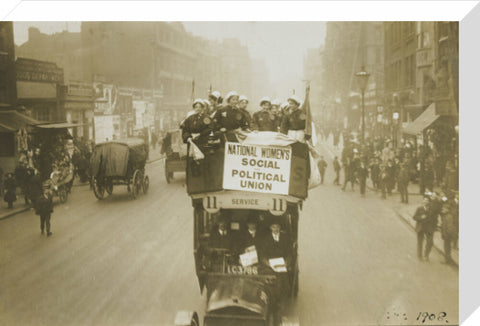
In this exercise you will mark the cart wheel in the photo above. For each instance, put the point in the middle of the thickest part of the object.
(109, 187)
(146, 184)
(136, 183)
(98, 190)
(63, 195)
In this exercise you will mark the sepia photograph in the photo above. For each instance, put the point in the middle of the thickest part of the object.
(229, 173)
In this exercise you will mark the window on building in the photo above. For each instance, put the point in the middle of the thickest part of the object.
(41, 114)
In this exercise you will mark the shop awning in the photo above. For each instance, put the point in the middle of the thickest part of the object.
(61, 125)
(12, 120)
(421, 123)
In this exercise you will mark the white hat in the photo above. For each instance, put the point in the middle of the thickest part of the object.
(243, 98)
(265, 99)
(276, 102)
(230, 95)
(294, 98)
(198, 100)
(216, 94)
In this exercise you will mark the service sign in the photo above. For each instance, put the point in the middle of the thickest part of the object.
(257, 168)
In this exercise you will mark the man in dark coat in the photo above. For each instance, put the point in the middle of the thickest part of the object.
(220, 237)
(44, 208)
(402, 181)
(375, 172)
(362, 174)
(277, 244)
(449, 215)
(249, 237)
(21, 178)
(337, 167)
(425, 227)
(322, 166)
(35, 186)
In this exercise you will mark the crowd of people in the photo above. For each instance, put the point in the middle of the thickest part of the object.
(390, 168)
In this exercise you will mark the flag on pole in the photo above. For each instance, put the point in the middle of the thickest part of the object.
(308, 120)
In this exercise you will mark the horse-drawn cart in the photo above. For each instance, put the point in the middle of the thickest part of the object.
(119, 162)
(175, 154)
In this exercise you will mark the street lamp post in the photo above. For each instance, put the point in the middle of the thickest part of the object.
(362, 77)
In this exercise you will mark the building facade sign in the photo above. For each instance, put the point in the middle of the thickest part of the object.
(38, 71)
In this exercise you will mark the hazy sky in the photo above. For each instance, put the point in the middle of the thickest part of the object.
(281, 44)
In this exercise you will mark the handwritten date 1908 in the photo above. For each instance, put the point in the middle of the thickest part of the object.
(425, 317)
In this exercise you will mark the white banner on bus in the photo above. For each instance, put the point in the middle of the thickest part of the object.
(257, 168)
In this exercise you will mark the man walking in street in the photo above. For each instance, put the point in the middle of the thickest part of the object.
(362, 173)
(337, 167)
(426, 223)
(322, 166)
(450, 229)
(44, 208)
(403, 178)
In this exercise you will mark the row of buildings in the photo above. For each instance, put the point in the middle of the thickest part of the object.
(413, 70)
(114, 77)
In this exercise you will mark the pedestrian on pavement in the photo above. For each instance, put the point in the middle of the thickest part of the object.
(322, 166)
(362, 174)
(337, 167)
(10, 190)
(35, 186)
(349, 174)
(403, 179)
(449, 229)
(425, 227)
(21, 177)
(390, 182)
(44, 208)
(382, 181)
(375, 172)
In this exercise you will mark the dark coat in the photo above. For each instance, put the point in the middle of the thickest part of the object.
(10, 190)
(229, 117)
(246, 240)
(35, 187)
(272, 249)
(322, 166)
(219, 241)
(265, 120)
(43, 206)
(296, 120)
(426, 221)
(197, 123)
(336, 165)
(247, 119)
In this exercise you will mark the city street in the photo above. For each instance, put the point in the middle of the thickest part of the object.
(130, 262)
